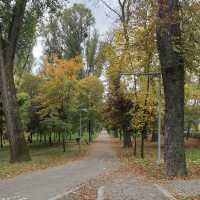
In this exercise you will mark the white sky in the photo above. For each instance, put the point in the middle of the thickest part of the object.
(105, 21)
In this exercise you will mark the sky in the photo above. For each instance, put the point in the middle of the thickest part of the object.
(105, 21)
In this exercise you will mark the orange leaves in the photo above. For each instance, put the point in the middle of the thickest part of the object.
(62, 68)
(59, 84)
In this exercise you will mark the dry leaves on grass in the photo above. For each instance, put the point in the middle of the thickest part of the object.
(148, 167)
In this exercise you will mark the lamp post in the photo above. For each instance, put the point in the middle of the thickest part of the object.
(159, 118)
(159, 76)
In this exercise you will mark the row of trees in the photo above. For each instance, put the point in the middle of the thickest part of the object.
(17, 30)
(145, 44)
(52, 101)
(67, 81)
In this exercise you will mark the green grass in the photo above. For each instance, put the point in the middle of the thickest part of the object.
(193, 155)
(149, 165)
(84, 137)
(43, 156)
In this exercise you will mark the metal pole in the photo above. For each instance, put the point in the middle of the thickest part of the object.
(159, 119)
(155, 74)
(80, 133)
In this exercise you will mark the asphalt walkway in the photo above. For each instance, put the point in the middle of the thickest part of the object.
(45, 184)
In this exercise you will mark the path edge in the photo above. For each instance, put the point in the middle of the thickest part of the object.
(165, 192)
(65, 194)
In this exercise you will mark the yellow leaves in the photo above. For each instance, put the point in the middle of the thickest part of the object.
(119, 37)
(62, 67)
(63, 91)
(59, 82)
(90, 90)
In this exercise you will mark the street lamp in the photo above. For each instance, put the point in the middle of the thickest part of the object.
(159, 76)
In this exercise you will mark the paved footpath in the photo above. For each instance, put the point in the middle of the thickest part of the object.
(101, 169)
(45, 184)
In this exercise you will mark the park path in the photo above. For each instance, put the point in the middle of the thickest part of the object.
(45, 184)
(100, 170)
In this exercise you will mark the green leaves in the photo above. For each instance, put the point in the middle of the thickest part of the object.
(24, 102)
(66, 32)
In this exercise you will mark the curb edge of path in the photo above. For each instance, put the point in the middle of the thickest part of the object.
(65, 194)
(165, 192)
(100, 193)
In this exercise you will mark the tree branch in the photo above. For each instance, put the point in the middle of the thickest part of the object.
(110, 8)
(14, 30)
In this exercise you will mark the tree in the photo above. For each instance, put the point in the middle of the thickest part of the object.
(170, 46)
(57, 92)
(118, 105)
(12, 22)
(24, 103)
(66, 32)
(121, 103)
(19, 150)
(192, 102)
(91, 54)
(90, 96)
(1, 123)
(30, 85)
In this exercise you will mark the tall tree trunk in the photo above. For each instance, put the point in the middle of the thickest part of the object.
(45, 138)
(18, 148)
(170, 47)
(59, 137)
(154, 137)
(188, 131)
(1, 136)
(63, 142)
(116, 133)
(50, 139)
(1, 122)
(127, 139)
(135, 145)
(120, 134)
(40, 137)
(89, 131)
(142, 143)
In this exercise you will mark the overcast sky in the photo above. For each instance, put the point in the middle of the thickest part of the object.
(105, 20)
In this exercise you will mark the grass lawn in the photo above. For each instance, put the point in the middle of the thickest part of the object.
(149, 167)
(43, 156)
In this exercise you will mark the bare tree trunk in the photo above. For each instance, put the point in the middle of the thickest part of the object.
(120, 134)
(50, 139)
(127, 139)
(170, 47)
(89, 131)
(40, 137)
(1, 121)
(154, 137)
(116, 133)
(45, 138)
(63, 142)
(188, 131)
(135, 145)
(142, 143)
(18, 148)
